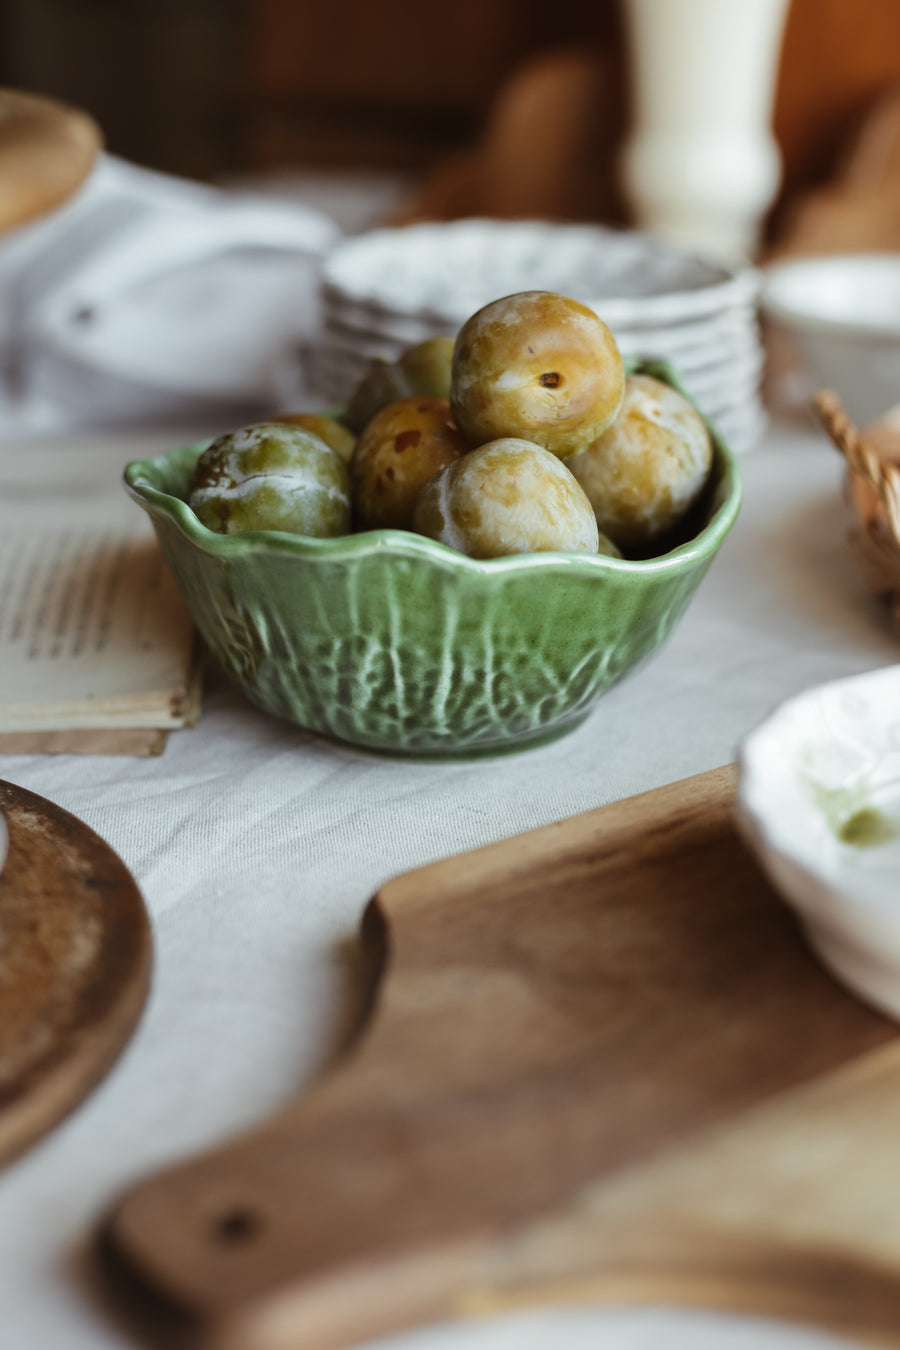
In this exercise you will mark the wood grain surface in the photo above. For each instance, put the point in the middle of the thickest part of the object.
(75, 956)
(600, 1064)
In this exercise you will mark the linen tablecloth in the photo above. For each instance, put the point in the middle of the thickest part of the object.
(257, 846)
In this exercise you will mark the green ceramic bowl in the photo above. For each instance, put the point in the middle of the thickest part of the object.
(392, 643)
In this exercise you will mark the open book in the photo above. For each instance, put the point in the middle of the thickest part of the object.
(96, 645)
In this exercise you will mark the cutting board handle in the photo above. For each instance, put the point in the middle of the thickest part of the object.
(552, 1013)
(332, 1217)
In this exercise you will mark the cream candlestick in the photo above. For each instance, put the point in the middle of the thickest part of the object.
(701, 164)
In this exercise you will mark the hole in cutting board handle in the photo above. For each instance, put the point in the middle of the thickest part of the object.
(237, 1226)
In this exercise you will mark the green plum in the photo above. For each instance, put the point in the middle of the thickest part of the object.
(400, 449)
(427, 366)
(537, 366)
(422, 369)
(271, 477)
(647, 470)
(382, 384)
(509, 496)
(332, 432)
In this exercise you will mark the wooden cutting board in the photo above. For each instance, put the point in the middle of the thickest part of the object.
(75, 955)
(600, 1064)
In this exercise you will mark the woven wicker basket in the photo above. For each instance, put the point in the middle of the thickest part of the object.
(872, 456)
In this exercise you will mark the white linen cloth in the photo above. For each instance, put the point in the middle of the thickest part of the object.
(257, 846)
(156, 298)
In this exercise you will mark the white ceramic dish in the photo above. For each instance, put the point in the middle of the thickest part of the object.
(688, 340)
(353, 327)
(388, 289)
(738, 416)
(734, 378)
(843, 312)
(450, 270)
(724, 357)
(696, 341)
(733, 407)
(819, 803)
(355, 320)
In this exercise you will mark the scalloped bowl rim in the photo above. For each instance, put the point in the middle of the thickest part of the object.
(404, 543)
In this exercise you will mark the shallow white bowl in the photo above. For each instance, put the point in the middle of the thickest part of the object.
(819, 803)
(843, 313)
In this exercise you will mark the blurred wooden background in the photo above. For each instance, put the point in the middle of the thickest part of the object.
(207, 87)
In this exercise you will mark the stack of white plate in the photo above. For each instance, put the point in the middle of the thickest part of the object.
(390, 288)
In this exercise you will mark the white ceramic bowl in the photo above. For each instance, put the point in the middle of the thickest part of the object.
(819, 803)
(843, 313)
(390, 288)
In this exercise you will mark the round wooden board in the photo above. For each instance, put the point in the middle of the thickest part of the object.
(47, 150)
(75, 959)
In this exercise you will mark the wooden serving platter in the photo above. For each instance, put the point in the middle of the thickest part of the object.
(75, 955)
(600, 1064)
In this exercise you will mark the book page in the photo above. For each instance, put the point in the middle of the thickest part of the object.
(93, 631)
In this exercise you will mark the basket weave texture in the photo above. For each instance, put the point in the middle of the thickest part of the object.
(872, 457)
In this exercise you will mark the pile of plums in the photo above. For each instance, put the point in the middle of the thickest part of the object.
(522, 435)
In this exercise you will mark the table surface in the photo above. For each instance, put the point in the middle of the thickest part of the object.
(257, 846)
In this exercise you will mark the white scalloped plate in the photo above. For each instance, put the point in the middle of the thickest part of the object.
(690, 347)
(388, 289)
(447, 271)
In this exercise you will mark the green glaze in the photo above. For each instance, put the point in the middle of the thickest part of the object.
(852, 818)
(868, 827)
(395, 644)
